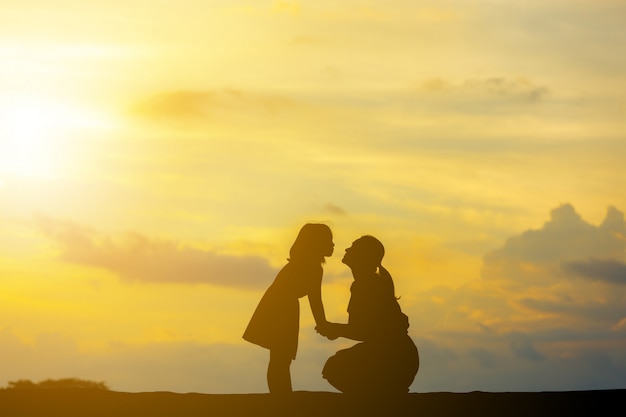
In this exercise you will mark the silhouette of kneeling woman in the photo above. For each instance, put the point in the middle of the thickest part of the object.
(386, 361)
(276, 321)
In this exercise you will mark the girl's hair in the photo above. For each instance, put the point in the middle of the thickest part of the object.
(310, 243)
(373, 254)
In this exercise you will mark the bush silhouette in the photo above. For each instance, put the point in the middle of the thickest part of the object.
(57, 384)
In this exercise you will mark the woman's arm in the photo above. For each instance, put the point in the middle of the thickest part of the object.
(349, 331)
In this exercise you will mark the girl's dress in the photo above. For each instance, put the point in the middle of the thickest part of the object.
(276, 321)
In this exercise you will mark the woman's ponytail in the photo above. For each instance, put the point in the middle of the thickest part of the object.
(388, 281)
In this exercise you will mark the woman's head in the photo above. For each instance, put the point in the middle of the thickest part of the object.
(366, 252)
(313, 243)
(365, 255)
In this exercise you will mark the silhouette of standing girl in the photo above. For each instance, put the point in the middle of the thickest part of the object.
(276, 321)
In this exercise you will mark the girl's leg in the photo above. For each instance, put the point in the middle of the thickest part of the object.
(278, 375)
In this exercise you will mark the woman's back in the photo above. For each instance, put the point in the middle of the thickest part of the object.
(375, 311)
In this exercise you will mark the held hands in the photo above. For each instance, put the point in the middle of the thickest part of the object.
(328, 330)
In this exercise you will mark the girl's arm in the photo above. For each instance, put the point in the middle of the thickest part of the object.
(317, 307)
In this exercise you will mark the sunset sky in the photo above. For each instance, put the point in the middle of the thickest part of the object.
(157, 159)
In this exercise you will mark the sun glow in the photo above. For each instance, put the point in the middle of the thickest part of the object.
(36, 131)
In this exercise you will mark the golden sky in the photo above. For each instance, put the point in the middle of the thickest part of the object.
(157, 159)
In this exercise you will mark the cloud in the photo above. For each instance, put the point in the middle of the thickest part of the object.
(212, 106)
(485, 358)
(524, 349)
(494, 95)
(607, 270)
(589, 306)
(620, 326)
(516, 88)
(138, 258)
(526, 304)
(335, 209)
(565, 244)
(567, 274)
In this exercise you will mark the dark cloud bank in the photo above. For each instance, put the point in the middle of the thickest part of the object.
(608, 270)
(559, 307)
(566, 246)
(580, 269)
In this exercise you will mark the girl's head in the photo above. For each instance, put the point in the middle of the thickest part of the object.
(313, 243)
(366, 252)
